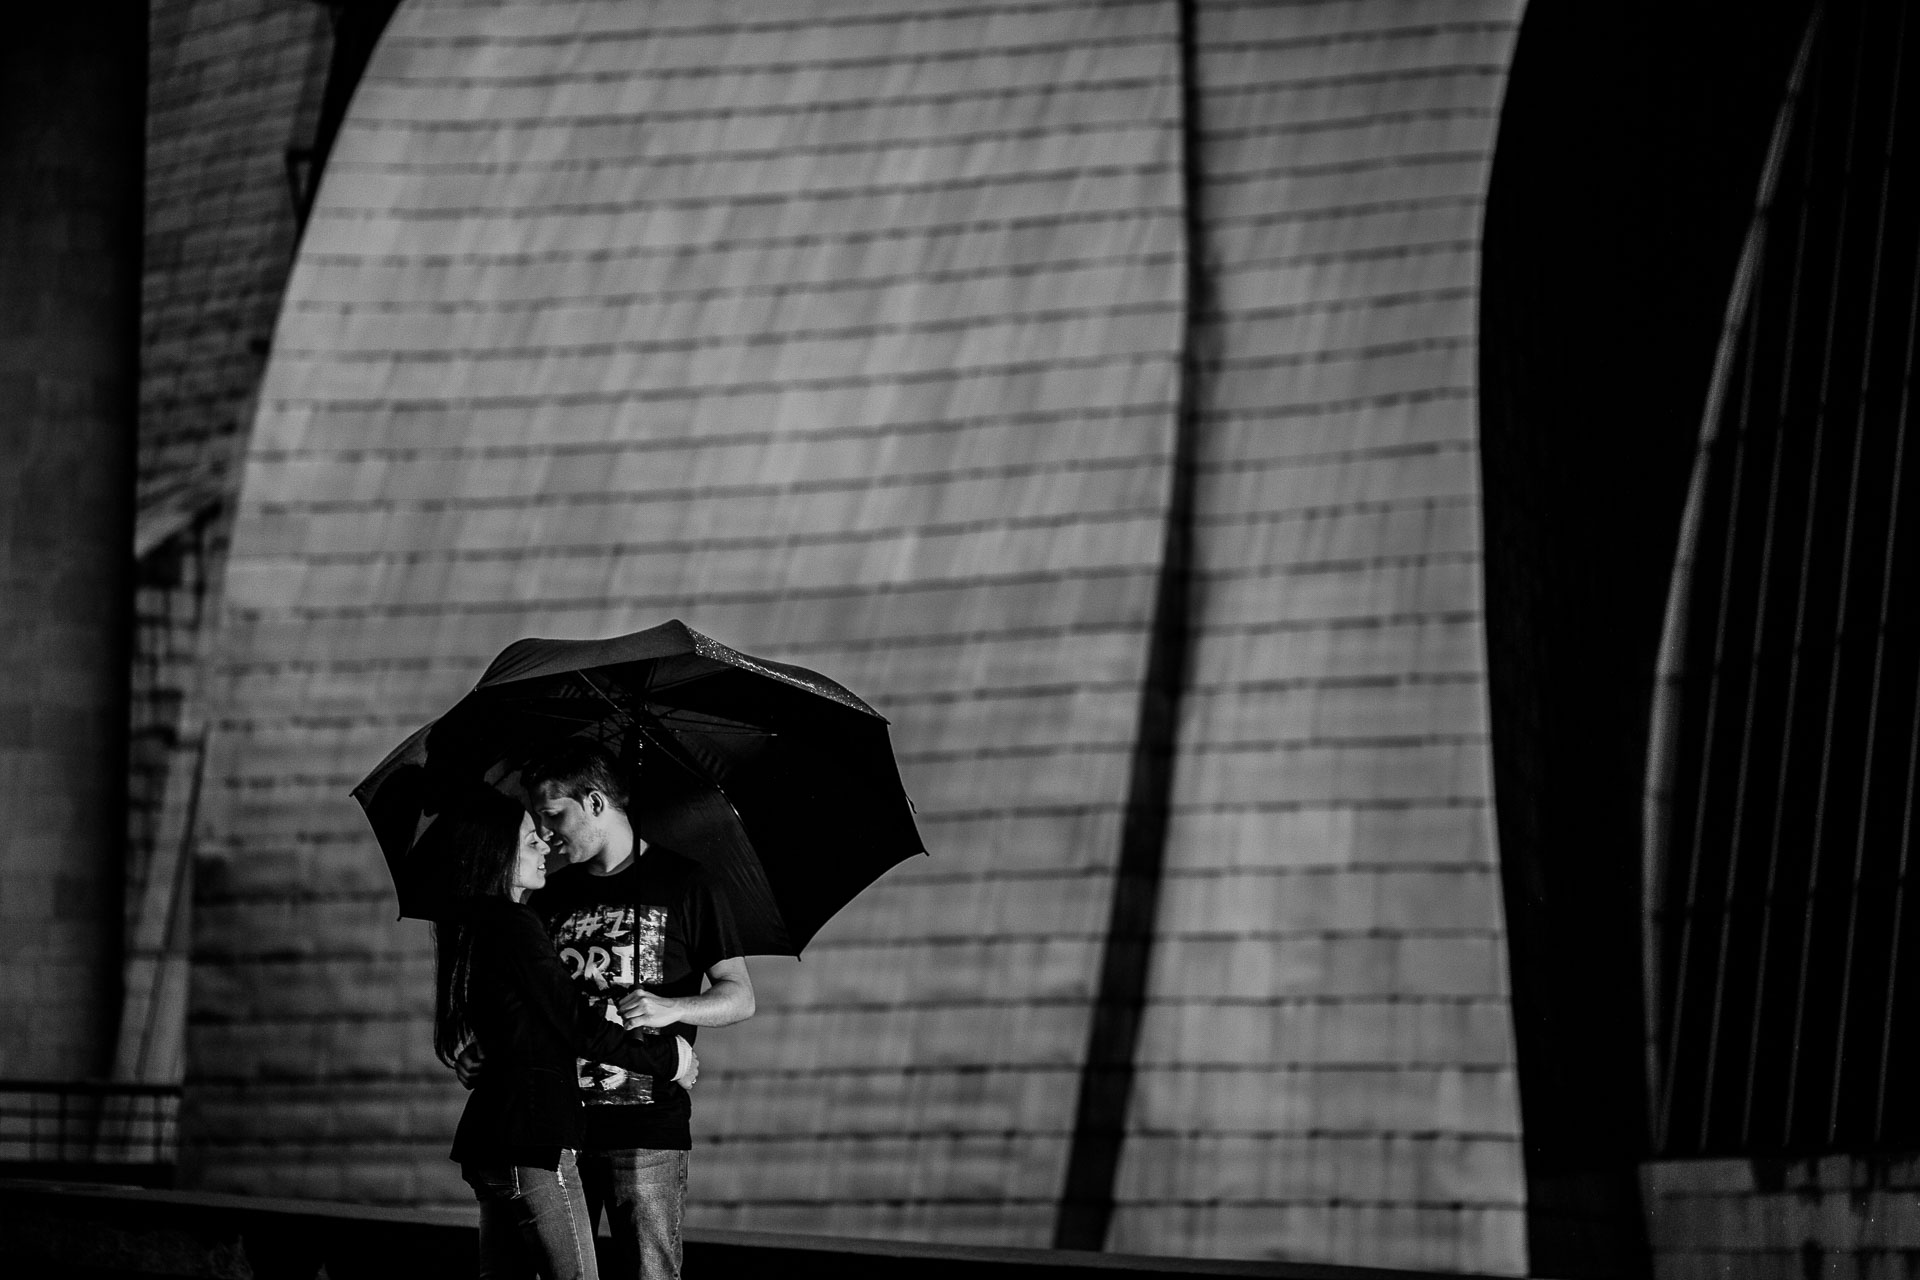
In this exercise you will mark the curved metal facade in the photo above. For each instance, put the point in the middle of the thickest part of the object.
(838, 344)
(1327, 1056)
(853, 334)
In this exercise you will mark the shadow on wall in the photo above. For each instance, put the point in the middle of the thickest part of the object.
(72, 87)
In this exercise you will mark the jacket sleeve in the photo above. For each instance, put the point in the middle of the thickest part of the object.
(532, 964)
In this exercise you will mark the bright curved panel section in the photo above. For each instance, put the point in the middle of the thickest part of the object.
(848, 333)
(1326, 1066)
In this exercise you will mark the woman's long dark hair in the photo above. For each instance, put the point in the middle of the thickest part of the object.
(476, 840)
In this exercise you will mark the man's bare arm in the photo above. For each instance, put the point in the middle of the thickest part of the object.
(471, 1062)
(727, 1001)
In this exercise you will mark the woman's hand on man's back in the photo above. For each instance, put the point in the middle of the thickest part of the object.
(467, 1064)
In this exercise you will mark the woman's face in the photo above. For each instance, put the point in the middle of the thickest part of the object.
(529, 861)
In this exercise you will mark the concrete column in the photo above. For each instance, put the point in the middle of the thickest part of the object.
(72, 112)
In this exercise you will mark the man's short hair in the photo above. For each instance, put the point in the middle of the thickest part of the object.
(574, 768)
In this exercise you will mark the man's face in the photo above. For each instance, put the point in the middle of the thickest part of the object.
(576, 829)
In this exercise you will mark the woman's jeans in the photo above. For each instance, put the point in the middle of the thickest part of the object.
(532, 1220)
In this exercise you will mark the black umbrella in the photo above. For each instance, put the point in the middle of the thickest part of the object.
(780, 781)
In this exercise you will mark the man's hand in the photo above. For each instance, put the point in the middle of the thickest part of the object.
(691, 1072)
(641, 1008)
(728, 999)
(467, 1064)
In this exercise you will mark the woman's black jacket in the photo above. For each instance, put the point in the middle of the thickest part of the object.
(532, 1023)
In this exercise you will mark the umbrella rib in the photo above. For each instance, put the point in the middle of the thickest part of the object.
(640, 724)
(591, 684)
(534, 713)
(693, 677)
(717, 728)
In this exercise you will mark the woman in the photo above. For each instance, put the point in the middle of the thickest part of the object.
(499, 980)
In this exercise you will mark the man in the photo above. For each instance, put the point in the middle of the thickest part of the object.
(640, 926)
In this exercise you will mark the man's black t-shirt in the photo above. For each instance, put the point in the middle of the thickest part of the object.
(657, 923)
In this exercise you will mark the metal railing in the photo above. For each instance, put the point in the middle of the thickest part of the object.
(89, 1128)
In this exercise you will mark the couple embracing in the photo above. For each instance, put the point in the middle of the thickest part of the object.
(569, 1006)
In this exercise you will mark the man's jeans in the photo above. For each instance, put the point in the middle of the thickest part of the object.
(644, 1194)
(532, 1219)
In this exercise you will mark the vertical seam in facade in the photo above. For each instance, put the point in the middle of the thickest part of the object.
(1108, 1068)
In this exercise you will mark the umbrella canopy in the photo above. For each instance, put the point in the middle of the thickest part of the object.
(781, 782)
